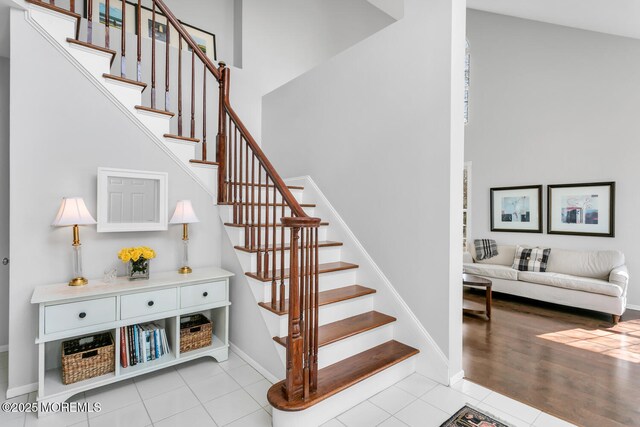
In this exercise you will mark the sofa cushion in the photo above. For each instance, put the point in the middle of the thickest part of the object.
(592, 264)
(594, 286)
(489, 270)
(531, 259)
(505, 256)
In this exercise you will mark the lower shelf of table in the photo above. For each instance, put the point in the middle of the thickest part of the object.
(53, 385)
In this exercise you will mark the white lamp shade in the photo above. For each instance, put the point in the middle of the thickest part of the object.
(73, 211)
(184, 213)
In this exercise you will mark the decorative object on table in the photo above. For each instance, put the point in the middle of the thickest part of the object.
(87, 357)
(582, 209)
(195, 332)
(130, 200)
(485, 248)
(137, 261)
(517, 209)
(469, 416)
(185, 215)
(531, 259)
(73, 212)
(110, 274)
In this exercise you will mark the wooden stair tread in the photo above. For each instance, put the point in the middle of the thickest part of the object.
(204, 162)
(326, 297)
(278, 205)
(181, 138)
(55, 8)
(345, 328)
(322, 268)
(338, 377)
(125, 80)
(232, 224)
(154, 110)
(287, 246)
(94, 47)
(290, 187)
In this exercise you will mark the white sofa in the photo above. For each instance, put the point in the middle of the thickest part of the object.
(594, 280)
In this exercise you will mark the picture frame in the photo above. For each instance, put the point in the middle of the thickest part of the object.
(161, 27)
(132, 200)
(115, 14)
(586, 209)
(516, 209)
(205, 40)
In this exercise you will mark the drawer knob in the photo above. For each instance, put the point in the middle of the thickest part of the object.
(206, 294)
(82, 315)
(150, 303)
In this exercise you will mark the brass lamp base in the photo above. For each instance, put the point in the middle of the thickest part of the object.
(185, 270)
(78, 281)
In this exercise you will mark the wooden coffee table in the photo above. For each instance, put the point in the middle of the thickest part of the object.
(478, 282)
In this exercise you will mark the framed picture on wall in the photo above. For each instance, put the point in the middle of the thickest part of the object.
(161, 25)
(115, 14)
(516, 209)
(582, 209)
(205, 40)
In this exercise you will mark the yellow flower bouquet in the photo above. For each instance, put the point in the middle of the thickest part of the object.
(137, 261)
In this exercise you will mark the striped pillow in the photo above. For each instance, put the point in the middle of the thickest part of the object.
(485, 248)
(531, 259)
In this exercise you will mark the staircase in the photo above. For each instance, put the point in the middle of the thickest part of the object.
(336, 348)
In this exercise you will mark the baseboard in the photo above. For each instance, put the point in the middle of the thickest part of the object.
(633, 307)
(455, 378)
(4, 348)
(255, 365)
(19, 391)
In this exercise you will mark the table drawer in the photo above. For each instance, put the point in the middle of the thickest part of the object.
(205, 293)
(146, 303)
(75, 315)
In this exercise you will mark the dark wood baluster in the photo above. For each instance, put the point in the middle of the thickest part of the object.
(252, 243)
(282, 252)
(293, 380)
(221, 142)
(266, 236)
(153, 56)
(240, 187)
(52, 2)
(179, 84)
(229, 163)
(307, 317)
(139, 31)
(248, 205)
(303, 307)
(259, 267)
(193, 94)
(90, 22)
(123, 41)
(72, 6)
(167, 59)
(235, 176)
(204, 114)
(107, 24)
(274, 279)
(316, 319)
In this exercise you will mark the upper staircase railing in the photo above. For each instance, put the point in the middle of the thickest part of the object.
(247, 181)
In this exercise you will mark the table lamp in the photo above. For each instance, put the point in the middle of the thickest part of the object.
(73, 212)
(184, 215)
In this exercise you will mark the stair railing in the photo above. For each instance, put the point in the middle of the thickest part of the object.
(247, 181)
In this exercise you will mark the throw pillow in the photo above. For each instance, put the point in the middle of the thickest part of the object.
(485, 248)
(531, 259)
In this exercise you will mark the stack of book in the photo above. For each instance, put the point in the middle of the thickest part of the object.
(142, 344)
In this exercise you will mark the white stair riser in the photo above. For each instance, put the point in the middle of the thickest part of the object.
(209, 176)
(333, 312)
(249, 261)
(340, 350)
(341, 402)
(128, 95)
(185, 151)
(59, 26)
(157, 124)
(95, 62)
(278, 325)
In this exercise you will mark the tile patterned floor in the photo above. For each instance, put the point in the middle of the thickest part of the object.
(185, 396)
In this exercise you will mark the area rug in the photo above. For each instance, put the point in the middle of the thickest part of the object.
(472, 417)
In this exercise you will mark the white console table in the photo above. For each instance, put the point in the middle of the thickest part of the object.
(67, 312)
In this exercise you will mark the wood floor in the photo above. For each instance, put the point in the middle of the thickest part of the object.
(570, 363)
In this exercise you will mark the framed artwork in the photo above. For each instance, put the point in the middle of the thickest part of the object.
(205, 41)
(115, 14)
(517, 209)
(582, 209)
(161, 27)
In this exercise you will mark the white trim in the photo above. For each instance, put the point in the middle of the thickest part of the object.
(434, 346)
(633, 307)
(4, 348)
(456, 378)
(19, 391)
(255, 365)
(130, 115)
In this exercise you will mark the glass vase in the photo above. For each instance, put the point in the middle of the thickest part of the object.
(138, 270)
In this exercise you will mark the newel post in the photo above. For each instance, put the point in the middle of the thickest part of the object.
(295, 354)
(221, 139)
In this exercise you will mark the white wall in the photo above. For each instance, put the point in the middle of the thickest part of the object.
(62, 129)
(377, 130)
(554, 105)
(4, 200)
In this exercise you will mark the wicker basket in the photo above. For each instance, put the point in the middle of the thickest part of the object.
(195, 332)
(87, 357)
